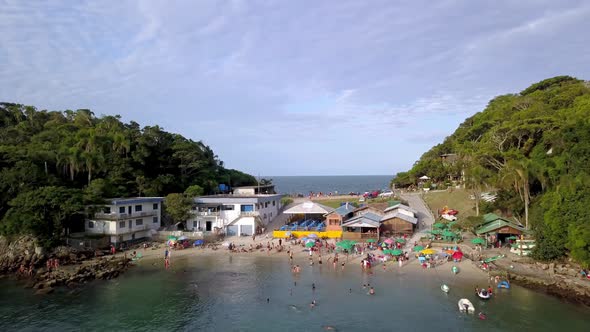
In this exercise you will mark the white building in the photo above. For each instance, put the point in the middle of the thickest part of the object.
(126, 219)
(234, 214)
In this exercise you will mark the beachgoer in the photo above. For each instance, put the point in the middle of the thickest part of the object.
(490, 289)
(372, 291)
(312, 304)
(267, 300)
(313, 286)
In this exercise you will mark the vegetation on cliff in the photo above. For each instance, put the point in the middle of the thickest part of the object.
(534, 148)
(53, 163)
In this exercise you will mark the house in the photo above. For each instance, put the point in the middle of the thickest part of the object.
(126, 219)
(497, 228)
(334, 219)
(235, 214)
(255, 190)
(399, 219)
(363, 226)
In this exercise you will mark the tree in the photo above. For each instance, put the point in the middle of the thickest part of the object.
(476, 178)
(178, 207)
(194, 191)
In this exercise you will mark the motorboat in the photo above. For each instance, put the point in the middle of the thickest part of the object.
(445, 288)
(503, 284)
(466, 306)
(484, 294)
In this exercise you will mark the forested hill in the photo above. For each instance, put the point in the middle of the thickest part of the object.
(58, 158)
(534, 147)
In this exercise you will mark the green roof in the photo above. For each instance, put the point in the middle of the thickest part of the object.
(497, 224)
(489, 217)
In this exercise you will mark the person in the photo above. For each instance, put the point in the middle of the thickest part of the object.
(372, 291)
(335, 260)
(350, 290)
(312, 304)
(166, 253)
(267, 300)
(490, 289)
(113, 250)
(476, 290)
(320, 260)
(313, 286)
(166, 263)
(280, 242)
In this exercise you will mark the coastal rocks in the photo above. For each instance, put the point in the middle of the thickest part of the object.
(44, 291)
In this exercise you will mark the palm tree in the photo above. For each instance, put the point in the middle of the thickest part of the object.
(517, 173)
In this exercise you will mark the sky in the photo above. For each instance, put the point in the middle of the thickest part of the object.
(290, 87)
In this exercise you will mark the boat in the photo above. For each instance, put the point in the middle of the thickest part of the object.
(503, 284)
(445, 288)
(455, 269)
(484, 294)
(466, 306)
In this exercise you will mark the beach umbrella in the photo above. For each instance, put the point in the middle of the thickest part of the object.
(400, 240)
(436, 231)
(439, 225)
(200, 242)
(288, 234)
(457, 255)
(428, 251)
(312, 236)
(384, 245)
(478, 240)
(512, 237)
(182, 238)
(172, 237)
(371, 240)
(449, 234)
(310, 244)
(418, 248)
(388, 241)
(304, 239)
(450, 251)
(396, 252)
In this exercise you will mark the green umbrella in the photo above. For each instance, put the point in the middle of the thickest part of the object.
(171, 237)
(386, 251)
(396, 252)
(451, 224)
(436, 231)
(439, 225)
(400, 240)
(478, 240)
(417, 248)
(371, 240)
(449, 234)
(310, 244)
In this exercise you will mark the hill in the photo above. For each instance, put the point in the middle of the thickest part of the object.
(534, 147)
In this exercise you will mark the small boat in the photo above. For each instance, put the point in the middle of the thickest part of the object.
(466, 306)
(455, 269)
(483, 294)
(445, 288)
(503, 284)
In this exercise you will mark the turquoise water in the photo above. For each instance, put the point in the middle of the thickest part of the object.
(325, 184)
(226, 293)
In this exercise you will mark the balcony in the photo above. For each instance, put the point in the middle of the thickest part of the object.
(207, 213)
(249, 214)
(126, 230)
(122, 216)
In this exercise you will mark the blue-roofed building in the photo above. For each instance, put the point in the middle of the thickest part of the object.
(335, 218)
(126, 219)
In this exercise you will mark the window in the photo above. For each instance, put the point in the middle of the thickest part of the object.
(106, 209)
(91, 224)
(247, 208)
(227, 207)
(121, 209)
(274, 203)
(266, 204)
(121, 224)
(155, 206)
(138, 222)
(155, 220)
(138, 208)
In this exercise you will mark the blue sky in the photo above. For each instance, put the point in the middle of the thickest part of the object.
(290, 87)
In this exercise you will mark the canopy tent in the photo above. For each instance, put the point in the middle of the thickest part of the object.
(424, 177)
(478, 240)
(310, 244)
(309, 208)
(417, 248)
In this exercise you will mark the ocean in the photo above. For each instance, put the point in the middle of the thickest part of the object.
(337, 184)
(229, 293)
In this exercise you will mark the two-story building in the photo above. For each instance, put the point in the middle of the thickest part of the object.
(126, 219)
(235, 214)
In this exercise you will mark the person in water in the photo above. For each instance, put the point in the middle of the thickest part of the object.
(372, 291)
(312, 304)
(313, 286)
(490, 289)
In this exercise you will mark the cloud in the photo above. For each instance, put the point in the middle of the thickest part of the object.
(258, 79)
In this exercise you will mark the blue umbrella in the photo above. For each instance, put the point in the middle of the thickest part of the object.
(312, 235)
(199, 242)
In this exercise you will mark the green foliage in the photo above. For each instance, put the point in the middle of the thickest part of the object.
(286, 201)
(178, 207)
(533, 148)
(470, 223)
(43, 212)
(101, 157)
(194, 191)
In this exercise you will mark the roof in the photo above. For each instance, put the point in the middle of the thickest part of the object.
(366, 220)
(344, 209)
(309, 208)
(400, 216)
(135, 200)
(497, 224)
(235, 199)
(400, 206)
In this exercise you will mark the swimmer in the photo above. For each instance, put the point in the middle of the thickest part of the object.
(372, 291)
(294, 283)
(312, 304)
(291, 291)
(364, 286)
(313, 286)
(329, 328)
(350, 290)
(267, 300)
(482, 316)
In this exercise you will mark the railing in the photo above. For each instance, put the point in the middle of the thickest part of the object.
(121, 216)
(207, 213)
(125, 230)
(249, 213)
(358, 236)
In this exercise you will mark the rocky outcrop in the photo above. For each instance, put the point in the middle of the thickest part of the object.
(76, 267)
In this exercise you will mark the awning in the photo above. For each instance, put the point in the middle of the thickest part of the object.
(309, 208)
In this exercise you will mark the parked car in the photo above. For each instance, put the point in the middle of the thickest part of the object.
(386, 193)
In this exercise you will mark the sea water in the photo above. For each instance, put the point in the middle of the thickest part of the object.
(247, 293)
(341, 184)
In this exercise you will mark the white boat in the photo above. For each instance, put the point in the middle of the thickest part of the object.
(466, 306)
(483, 294)
(445, 288)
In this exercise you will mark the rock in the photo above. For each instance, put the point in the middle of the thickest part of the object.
(544, 266)
(44, 291)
